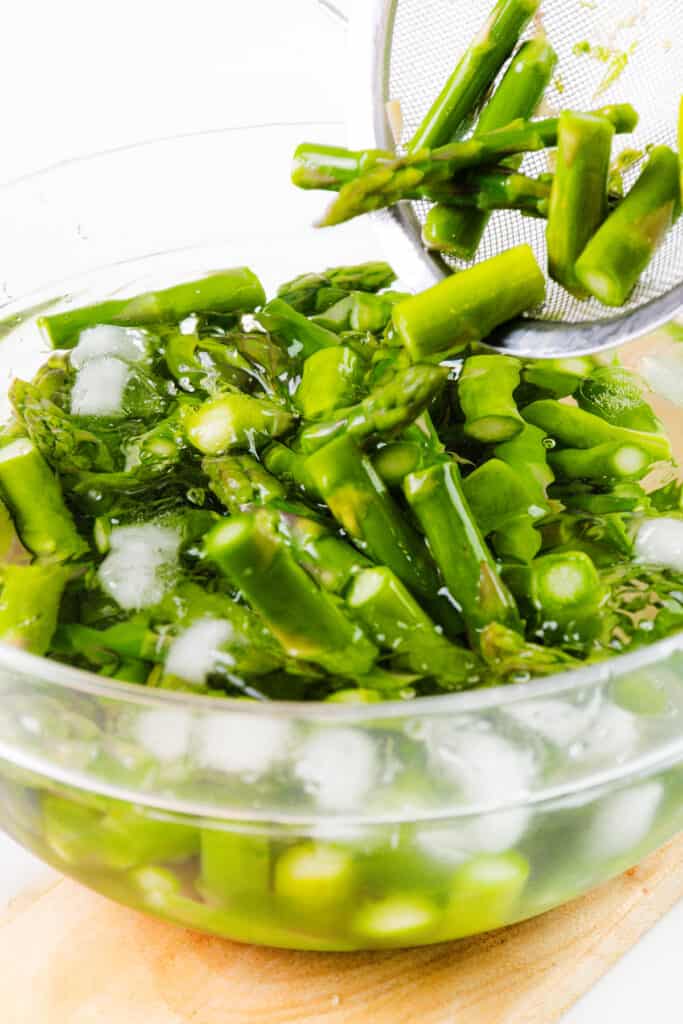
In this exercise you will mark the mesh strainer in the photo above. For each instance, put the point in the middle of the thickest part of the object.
(635, 54)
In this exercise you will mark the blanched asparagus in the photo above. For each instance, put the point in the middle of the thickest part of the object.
(611, 461)
(577, 428)
(508, 654)
(497, 493)
(385, 411)
(332, 378)
(613, 260)
(330, 561)
(578, 202)
(437, 499)
(235, 421)
(225, 291)
(459, 232)
(305, 620)
(29, 605)
(486, 388)
(35, 500)
(468, 306)
(301, 336)
(558, 377)
(616, 395)
(474, 73)
(302, 293)
(290, 466)
(240, 481)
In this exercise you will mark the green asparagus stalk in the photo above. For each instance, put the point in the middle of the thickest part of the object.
(303, 292)
(330, 561)
(64, 445)
(459, 232)
(512, 657)
(125, 640)
(385, 411)
(468, 306)
(386, 183)
(449, 114)
(332, 378)
(611, 461)
(159, 450)
(301, 336)
(621, 497)
(29, 605)
(204, 364)
(306, 621)
(391, 616)
(576, 428)
(485, 389)
(336, 318)
(290, 466)
(527, 455)
(396, 460)
(563, 595)
(240, 482)
(35, 500)
(225, 291)
(364, 508)
(437, 499)
(578, 202)
(329, 167)
(315, 878)
(616, 395)
(12, 551)
(517, 540)
(235, 421)
(496, 493)
(614, 259)
(558, 377)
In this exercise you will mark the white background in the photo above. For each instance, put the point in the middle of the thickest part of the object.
(77, 76)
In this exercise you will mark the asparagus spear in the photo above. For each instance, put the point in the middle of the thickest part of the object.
(496, 493)
(332, 378)
(35, 500)
(240, 481)
(302, 337)
(578, 202)
(510, 656)
(613, 460)
(615, 257)
(315, 878)
(527, 455)
(330, 561)
(468, 306)
(306, 621)
(391, 616)
(459, 232)
(558, 377)
(202, 364)
(65, 446)
(485, 389)
(437, 499)
(616, 395)
(474, 73)
(303, 292)
(563, 595)
(290, 466)
(385, 183)
(364, 508)
(29, 605)
(235, 421)
(576, 428)
(385, 411)
(128, 641)
(225, 291)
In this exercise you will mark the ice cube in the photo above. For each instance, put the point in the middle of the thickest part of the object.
(338, 767)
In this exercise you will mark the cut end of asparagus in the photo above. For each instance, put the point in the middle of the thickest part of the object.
(16, 449)
(494, 429)
(601, 286)
(365, 586)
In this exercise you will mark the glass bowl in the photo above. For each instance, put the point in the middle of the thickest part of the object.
(319, 826)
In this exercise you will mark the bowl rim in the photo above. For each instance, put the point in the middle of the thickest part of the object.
(44, 669)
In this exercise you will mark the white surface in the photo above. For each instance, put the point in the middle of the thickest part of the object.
(84, 77)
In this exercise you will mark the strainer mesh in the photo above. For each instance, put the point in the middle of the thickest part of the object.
(428, 37)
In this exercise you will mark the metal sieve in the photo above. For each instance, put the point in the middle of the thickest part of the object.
(609, 51)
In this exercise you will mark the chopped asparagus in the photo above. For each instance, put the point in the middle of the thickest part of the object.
(29, 605)
(577, 428)
(239, 482)
(486, 388)
(616, 395)
(235, 421)
(332, 378)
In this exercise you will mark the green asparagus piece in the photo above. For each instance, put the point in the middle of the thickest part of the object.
(290, 466)
(621, 497)
(497, 493)
(577, 428)
(468, 306)
(613, 260)
(332, 378)
(558, 377)
(239, 482)
(392, 617)
(563, 595)
(517, 540)
(64, 445)
(605, 462)
(234, 865)
(29, 605)
(160, 449)
(35, 500)
(225, 291)
(527, 455)
(616, 395)
(437, 499)
(329, 167)
(304, 291)
(302, 337)
(364, 508)
(337, 317)
(485, 389)
(330, 561)
(235, 421)
(306, 621)
(578, 202)
(451, 111)
(386, 183)
(513, 658)
(204, 364)
(12, 551)
(396, 460)
(123, 641)
(315, 878)
(485, 893)
(385, 411)
(459, 232)
(396, 920)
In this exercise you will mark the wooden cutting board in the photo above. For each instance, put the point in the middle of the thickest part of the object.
(68, 956)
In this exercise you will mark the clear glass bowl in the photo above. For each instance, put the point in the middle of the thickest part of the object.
(306, 826)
